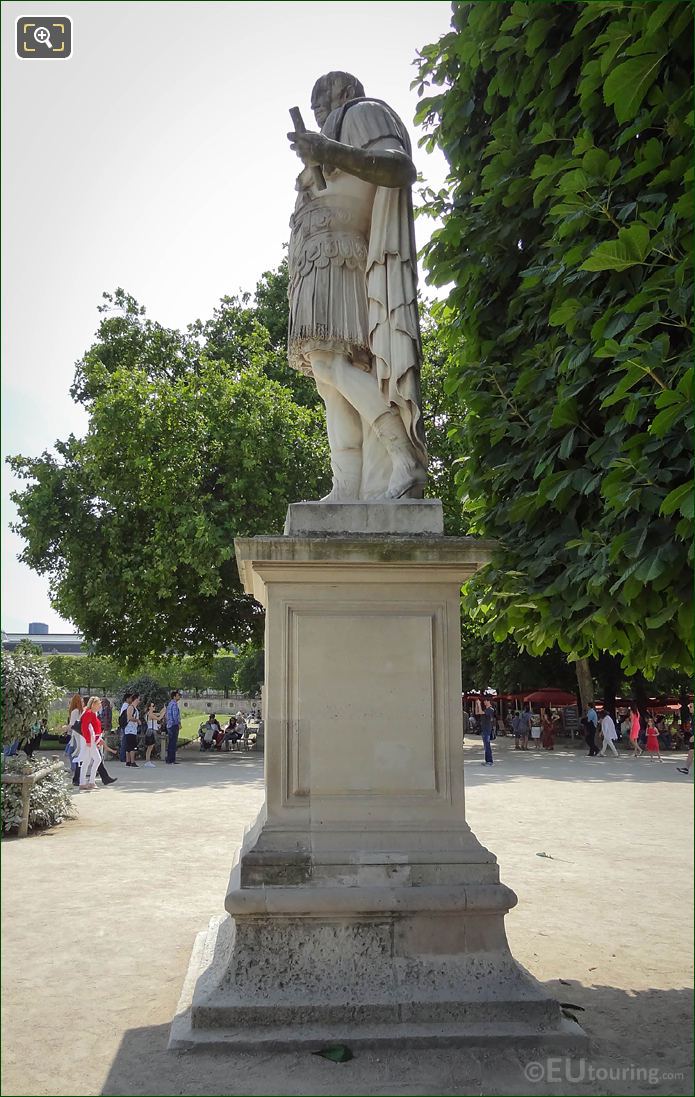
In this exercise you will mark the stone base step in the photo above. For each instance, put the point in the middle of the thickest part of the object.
(208, 1019)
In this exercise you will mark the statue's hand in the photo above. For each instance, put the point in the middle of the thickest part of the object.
(310, 147)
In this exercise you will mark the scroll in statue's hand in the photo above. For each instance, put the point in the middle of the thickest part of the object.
(310, 147)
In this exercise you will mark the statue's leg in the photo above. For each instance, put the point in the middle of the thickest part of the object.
(361, 389)
(344, 432)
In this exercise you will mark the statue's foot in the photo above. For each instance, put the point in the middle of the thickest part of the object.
(342, 493)
(407, 482)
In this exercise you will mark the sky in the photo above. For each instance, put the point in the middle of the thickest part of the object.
(155, 158)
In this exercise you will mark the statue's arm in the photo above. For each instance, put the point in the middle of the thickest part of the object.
(383, 167)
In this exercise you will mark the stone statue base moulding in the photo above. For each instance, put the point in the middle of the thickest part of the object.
(361, 907)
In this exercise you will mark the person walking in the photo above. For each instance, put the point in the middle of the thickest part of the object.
(609, 733)
(131, 731)
(548, 730)
(525, 725)
(102, 772)
(74, 744)
(653, 740)
(625, 725)
(487, 726)
(122, 721)
(536, 733)
(105, 716)
(32, 741)
(666, 738)
(89, 758)
(589, 736)
(173, 717)
(689, 760)
(635, 730)
(592, 715)
(153, 719)
(516, 729)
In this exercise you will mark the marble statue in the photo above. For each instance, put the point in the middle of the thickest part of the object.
(352, 292)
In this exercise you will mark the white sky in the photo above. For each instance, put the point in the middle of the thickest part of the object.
(155, 158)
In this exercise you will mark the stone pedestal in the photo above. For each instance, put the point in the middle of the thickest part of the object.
(362, 907)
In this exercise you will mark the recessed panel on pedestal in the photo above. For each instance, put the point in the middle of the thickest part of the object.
(360, 679)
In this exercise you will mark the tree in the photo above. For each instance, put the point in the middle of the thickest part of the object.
(442, 417)
(27, 691)
(238, 324)
(250, 670)
(90, 672)
(566, 235)
(505, 667)
(149, 690)
(27, 647)
(221, 673)
(135, 523)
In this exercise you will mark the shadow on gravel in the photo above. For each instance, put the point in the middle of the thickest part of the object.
(641, 1043)
(194, 770)
(566, 763)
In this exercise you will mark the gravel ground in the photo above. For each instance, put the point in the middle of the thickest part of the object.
(110, 903)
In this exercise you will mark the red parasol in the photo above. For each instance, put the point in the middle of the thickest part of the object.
(551, 696)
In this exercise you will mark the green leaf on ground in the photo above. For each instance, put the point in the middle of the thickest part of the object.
(337, 1053)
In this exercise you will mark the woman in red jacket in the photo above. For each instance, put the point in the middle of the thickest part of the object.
(89, 756)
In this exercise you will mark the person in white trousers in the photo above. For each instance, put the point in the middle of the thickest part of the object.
(609, 734)
(89, 757)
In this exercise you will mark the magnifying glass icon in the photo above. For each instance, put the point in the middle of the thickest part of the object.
(42, 35)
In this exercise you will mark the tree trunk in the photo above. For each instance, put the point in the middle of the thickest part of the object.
(585, 683)
(639, 689)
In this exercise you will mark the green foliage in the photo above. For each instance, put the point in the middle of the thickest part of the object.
(442, 416)
(149, 690)
(95, 673)
(27, 691)
(28, 647)
(220, 673)
(249, 670)
(566, 232)
(88, 672)
(135, 523)
(50, 799)
(258, 328)
(486, 662)
(194, 438)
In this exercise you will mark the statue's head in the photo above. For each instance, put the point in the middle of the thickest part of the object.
(331, 91)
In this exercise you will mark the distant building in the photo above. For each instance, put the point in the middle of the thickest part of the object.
(57, 643)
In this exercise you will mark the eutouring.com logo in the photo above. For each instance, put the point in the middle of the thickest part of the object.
(44, 37)
(565, 1069)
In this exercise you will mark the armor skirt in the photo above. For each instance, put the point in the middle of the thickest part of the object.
(327, 293)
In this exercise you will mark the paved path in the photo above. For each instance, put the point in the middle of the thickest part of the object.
(99, 917)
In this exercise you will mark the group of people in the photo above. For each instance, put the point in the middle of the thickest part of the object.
(131, 723)
(214, 737)
(91, 720)
(28, 743)
(542, 734)
(521, 725)
(645, 734)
